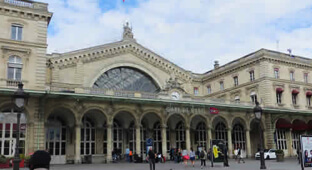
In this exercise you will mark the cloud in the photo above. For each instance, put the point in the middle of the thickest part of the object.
(191, 34)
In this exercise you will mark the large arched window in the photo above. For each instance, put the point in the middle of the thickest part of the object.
(220, 132)
(15, 68)
(238, 136)
(180, 136)
(200, 135)
(87, 146)
(126, 78)
(8, 129)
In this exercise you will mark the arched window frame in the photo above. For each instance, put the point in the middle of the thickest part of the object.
(221, 132)
(239, 136)
(180, 135)
(201, 135)
(87, 146)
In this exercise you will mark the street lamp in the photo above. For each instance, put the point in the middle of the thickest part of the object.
(258, 114)
(20, 98)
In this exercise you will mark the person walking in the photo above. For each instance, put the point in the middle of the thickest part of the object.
(239, 154)
(226, 161)
(203, 157)
(151, 159)
(192, 156)
(185, 157)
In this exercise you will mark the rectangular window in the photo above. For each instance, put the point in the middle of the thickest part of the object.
(221, 85)
(308, 100)
(278, 97)
(253, 98)
(294, 98)
(196, 91)
(235, 81)
(16, 32)
(209, 89)
(305, 77)
(276, 73)
(252, 75)
(291, 76)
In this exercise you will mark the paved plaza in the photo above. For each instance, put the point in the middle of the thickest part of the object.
(288, 164)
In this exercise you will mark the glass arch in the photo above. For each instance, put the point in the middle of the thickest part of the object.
(126, 78)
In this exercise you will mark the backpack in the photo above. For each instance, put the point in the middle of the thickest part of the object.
(202, 154)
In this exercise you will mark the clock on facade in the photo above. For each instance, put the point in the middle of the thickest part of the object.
(175, 95)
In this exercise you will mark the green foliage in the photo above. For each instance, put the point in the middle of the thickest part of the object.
(279, 151)
(3, 159)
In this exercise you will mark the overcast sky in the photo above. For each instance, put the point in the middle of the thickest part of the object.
(190, 33)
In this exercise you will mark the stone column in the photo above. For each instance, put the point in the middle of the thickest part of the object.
(209, 137)
(188, 138)
(230, 149)
(164, 140)
(138, 139)
(77, 143)
(109, 143)
(248, 143)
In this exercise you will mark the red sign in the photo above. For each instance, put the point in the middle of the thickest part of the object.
(214, 110)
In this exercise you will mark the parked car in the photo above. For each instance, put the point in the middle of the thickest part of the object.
(268, 154)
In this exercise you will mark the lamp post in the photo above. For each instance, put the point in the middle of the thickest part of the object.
(19, 98)
(258, 114)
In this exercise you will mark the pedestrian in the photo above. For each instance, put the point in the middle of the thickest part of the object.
(40, 160)
(202, 156)
(239, 154)
(235, 152)
(130, 156)
(192, 156)
(226, 161)
(151, 159)
(185, 157)
(127, 154)
(298, 155)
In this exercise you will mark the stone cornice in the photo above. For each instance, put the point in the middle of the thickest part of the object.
(23, 43)
(38, 12)
(123, 47)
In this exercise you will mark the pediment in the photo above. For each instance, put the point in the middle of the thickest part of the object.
(101, 52)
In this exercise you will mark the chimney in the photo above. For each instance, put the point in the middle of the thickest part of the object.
(216, 65)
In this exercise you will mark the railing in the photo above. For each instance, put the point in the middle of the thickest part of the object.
(12, 83)
(20, 3)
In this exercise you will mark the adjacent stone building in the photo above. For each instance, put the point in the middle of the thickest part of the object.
(115, 96)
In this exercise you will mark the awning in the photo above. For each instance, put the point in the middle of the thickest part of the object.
(295, 91)
(299, 125)
(279, 90)
(282, 123)
(309, 93)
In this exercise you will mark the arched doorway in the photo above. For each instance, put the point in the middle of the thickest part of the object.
(283, 126)
(199, 136)
(180, 135)
(124, 132)
(299, 127)
(157, 138)
(221, 132)
(176, 126)
(87, 142)
(8, 128)
(58, 127)
(239, 134)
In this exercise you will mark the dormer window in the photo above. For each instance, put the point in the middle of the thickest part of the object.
(16, 32)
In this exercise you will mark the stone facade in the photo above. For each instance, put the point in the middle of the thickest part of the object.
(72, 112)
